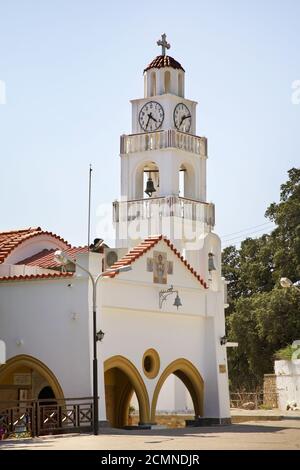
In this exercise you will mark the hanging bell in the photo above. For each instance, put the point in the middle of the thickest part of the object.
(211, 264)
(150, 187)
(177, 302)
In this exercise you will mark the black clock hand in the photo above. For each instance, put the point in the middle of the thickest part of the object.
(182, 119)
(153, 118)
(149, 116)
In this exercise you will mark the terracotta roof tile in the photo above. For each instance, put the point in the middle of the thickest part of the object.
(45, 258)
(10, 240)
(30, 277)
(142, 248)
(163, 61)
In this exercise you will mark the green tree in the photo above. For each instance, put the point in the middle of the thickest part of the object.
(261, 324)
(262, 317)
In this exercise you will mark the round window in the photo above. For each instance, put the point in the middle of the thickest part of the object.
(151, 363)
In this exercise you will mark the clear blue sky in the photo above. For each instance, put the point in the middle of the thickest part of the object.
(71, 66)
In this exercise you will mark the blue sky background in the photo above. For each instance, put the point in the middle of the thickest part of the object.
(71, 66)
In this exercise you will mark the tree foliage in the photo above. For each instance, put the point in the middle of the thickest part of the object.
(263, 317)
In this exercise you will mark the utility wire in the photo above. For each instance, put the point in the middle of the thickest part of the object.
(245, 229)
(241, 238)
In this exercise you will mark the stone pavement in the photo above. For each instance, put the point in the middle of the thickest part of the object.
(280, 434)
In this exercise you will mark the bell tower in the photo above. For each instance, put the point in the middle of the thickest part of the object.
(163, 163)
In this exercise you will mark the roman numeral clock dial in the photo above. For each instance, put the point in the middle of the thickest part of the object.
(182, 117)
(151, 116)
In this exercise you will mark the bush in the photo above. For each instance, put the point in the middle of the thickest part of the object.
(284, 354)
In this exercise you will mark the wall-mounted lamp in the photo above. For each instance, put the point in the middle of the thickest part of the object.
(223, 340)
(163, 294)
(100, 335)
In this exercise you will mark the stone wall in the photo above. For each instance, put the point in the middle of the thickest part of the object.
(270, 392)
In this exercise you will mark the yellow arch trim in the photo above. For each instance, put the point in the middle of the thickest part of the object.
(138, 384)
(191, 378)
(32, 363)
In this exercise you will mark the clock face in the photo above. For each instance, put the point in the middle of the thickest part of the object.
(151, 116)
(182, 117)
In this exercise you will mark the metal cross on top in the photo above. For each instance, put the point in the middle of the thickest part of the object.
(164, 44)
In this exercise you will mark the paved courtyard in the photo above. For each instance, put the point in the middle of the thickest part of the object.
(283, 434)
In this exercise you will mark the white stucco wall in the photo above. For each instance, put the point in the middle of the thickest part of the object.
(133, 323)
(287, 382)
(39, 314)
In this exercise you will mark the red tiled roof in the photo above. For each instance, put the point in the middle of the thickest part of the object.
(30, 277)
(10, 240)
(45, 258)
(163, 61)
(142, 248)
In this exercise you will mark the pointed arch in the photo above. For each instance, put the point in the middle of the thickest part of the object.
(190, 376)
(127, 380)
(24, 360)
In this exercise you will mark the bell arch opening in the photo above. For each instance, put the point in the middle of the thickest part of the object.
(122, 380)
(190, 377)
(147, 180)
(187, 183)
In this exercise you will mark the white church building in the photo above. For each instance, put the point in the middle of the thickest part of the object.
(160, 298)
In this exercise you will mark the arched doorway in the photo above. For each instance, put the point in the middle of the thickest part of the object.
(122, 379)
(23, 377)
(190, 376)
(47, 394)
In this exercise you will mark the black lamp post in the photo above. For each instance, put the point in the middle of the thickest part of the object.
(61, 258)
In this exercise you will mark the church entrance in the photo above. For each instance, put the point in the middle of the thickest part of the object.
(192, 380)
(122, 380)
(24, 377)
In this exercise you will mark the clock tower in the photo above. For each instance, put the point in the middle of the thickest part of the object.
(163, 165)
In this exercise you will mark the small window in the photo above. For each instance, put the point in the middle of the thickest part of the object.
(180, 85)
(153, 84)
(167, 82)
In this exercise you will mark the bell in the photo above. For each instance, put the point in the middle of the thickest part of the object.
(211, 264)
(150, 187)
(177, 302)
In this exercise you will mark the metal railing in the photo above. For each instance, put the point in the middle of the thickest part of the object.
(247, 400)
(48, 416)
(162, 140)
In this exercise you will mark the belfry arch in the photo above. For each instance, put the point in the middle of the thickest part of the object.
(145, 172)
(187, 181)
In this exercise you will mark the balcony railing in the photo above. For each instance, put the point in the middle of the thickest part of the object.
(162, 140)
(188, 209)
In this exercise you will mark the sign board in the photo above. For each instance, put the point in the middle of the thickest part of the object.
(2, 352)
(22, 379)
